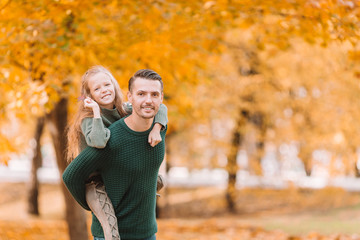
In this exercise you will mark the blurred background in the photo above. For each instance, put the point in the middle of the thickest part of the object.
(263, 105)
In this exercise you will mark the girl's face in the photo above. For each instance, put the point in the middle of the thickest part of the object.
(102, 90)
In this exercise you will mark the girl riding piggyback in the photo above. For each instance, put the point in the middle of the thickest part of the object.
(101, 104)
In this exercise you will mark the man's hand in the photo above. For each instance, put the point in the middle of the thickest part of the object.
(154, 136)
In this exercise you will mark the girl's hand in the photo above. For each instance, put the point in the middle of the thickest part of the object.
(89, 103)
(154, 136)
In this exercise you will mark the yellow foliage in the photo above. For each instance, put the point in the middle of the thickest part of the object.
(45, 46)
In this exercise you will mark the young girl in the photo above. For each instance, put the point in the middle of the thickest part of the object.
(102, 106)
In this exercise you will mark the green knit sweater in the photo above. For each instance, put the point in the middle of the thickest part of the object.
(129, 167)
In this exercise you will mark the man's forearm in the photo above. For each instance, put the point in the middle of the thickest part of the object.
(75, 185)
(78, 171)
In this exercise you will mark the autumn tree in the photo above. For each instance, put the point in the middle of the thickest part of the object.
(47, 45)
(287, 95)
(282, 97)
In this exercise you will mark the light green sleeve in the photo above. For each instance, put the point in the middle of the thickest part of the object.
(160, 117)
(127, 107)
(95, 133)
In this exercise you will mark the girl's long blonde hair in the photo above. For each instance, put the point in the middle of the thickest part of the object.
(74, 129)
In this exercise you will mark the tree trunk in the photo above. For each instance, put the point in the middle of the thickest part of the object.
(257, 119)
(356, 170)
(75, 215)
(355, 163)
(232, 164)
(33, 190)
(306, 158)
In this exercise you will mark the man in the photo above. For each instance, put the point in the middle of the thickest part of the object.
(128, 164)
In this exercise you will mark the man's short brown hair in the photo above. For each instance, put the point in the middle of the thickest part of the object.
(146, 74)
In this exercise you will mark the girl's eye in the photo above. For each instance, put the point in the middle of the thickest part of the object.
(108, 84)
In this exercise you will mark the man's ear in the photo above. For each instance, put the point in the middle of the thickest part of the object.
(129, 96)
(162, 97)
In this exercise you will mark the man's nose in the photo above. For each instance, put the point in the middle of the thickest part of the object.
(148, 98)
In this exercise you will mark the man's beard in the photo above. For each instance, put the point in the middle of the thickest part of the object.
(146, 116)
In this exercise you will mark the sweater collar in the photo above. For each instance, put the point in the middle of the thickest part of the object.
(135, 132)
